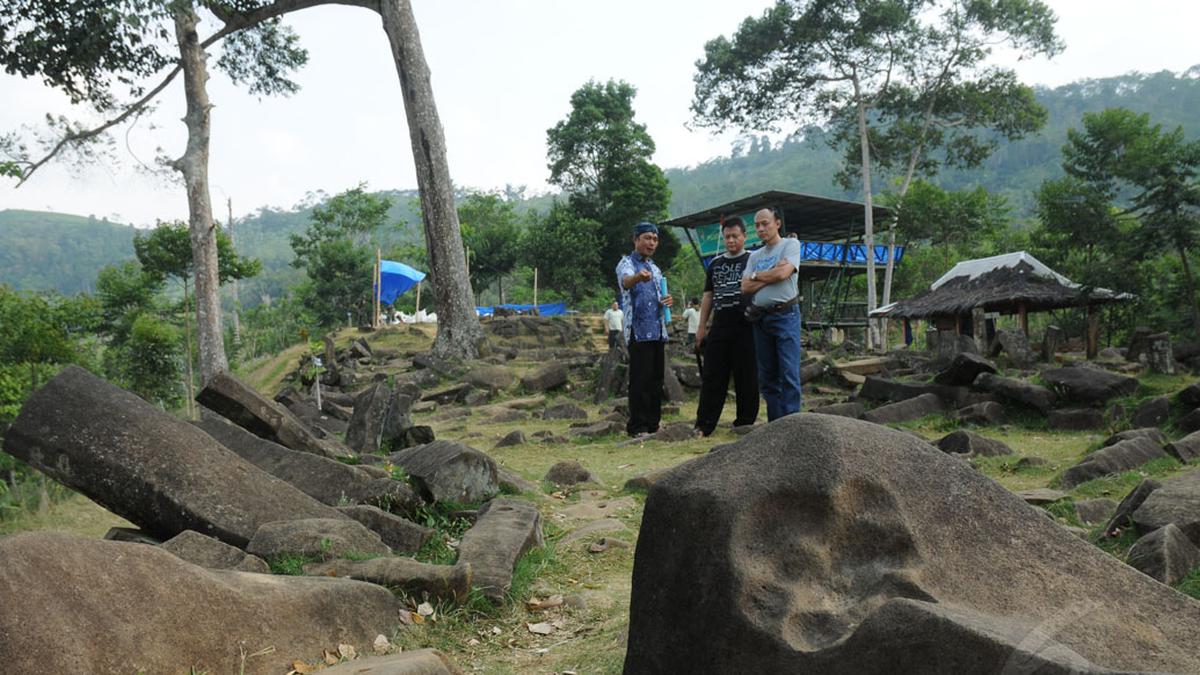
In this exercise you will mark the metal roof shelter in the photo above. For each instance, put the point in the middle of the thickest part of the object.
(828, 230)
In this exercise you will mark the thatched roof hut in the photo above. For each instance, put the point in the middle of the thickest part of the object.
(1013, 283)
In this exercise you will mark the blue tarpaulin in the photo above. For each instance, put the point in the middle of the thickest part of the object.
(549, 309)
(394, 279)
(827, 252)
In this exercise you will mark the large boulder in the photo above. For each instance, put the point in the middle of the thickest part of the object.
(1123, 456)
(1165, 554)
(1190, 422)
(365, 432)
(1190, 395)
(1037, 397)
(1177, 501)
(904, 411)
(503, 532)
(982, 414)
(326, 480)
(155, 470)
(1090, 386)
(1151, 413)
(400, 535)
(235, 400)
(88, 606)
(821, 545)
(545, 378)
(1075, 419)
(852, 409)
(1015, 344)
(877, 388)
(963, 370)
(449, 471)
(491, 378)
(1130, 503)
(1153, 434)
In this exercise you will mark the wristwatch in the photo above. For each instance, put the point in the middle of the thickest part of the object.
(754, 276)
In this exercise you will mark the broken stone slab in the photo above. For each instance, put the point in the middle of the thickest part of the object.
(1094, 511)
(131, 535)
(611, 378)
(689, 375)
(970, 443)
(1159, 355)
(1151, 433)
(1190, 395)
(983, 414)
(564, 411)
(1089, 385)
(1026, 393)
(1185, 449)
(427, 661)
(503, 532)
(491, 378)
(852, 409)
(1015, 345)
(157, 471)
(1165, 554)
(514, 437)
(672, 390)
(448, 582)
(399, 534)
(155, 613)
(1130, 503)
(513, 483)
(963, 370)
(597, 429)
(441, 367)
(323, 538)
(904, 411)
(449, 471)
(236, 401)
(1039, 496)
(824, 547)
(1190, 422)
(453, 393)
(545, 378)
(1123, 456)
(1177, 501)
(365, 431)
(1076, 419)
(508, 416)
(1151, 413)
(570, 472)
(213, 554)
(326, 480)
(876, 388)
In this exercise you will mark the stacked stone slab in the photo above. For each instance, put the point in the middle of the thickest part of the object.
(159, 472)
(503, 532)
(1123, 456)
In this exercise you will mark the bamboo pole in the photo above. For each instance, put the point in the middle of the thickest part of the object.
(535, 305)
(418, 299)
(378, 286)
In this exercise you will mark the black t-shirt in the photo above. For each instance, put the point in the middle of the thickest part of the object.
(724, 281)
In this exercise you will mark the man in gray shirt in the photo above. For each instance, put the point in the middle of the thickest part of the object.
(770, 279)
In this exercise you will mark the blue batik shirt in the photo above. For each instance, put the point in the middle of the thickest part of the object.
(644, 320)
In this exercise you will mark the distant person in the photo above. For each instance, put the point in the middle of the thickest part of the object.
(645, 329)
(692, 315)
(770, 278)
(614, 320)
(728, 346)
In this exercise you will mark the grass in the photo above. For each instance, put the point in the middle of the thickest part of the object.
(1190, 585)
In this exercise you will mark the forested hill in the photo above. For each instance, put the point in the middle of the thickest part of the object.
(1015, 170)
(64, 252)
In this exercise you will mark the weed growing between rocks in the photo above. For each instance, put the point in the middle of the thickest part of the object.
(1190, 584)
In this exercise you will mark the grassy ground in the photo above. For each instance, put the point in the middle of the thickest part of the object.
(586, 633)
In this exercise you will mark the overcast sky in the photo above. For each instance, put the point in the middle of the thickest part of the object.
(503, 73)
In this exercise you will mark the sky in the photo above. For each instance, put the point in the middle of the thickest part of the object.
(503, 73)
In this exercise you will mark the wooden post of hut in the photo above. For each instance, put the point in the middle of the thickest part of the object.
(1093, 332)
(979, 328)
(1024, 316)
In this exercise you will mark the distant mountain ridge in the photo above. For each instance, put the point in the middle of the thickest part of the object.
(44, 251)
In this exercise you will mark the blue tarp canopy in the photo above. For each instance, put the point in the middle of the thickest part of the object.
(394, 279)
(550, 309)
(828, 252)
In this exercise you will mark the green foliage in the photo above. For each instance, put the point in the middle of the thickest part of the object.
(334, 252)
(291, 565)
(566, 249)
(491, 232)
(601, 157)
(945, 218)
(167, 251)
(153, 356)
(446, 526)
(1190, 585)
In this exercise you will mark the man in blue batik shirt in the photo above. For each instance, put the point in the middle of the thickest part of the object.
(645, 328)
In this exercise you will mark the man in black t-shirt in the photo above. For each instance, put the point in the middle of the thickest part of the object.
(728, 346)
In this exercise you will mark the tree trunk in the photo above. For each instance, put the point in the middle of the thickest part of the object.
(458, 332)
(873, 338)
(1189, 285)
(237, 297)
(194, 167)
(187, 333)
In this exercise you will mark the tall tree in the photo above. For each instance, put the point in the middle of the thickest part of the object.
(566, 247)
(1125, 158)
(167, 252)
(260, 53)
(601, 156)
(910, 67)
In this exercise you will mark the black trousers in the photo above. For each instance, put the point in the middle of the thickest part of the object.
(646, 361)
(613, 336)
(728, 350)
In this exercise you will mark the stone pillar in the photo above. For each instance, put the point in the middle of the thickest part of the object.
(1051, 342)
(1159, 355)
(1093, 332)
(979, 327)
